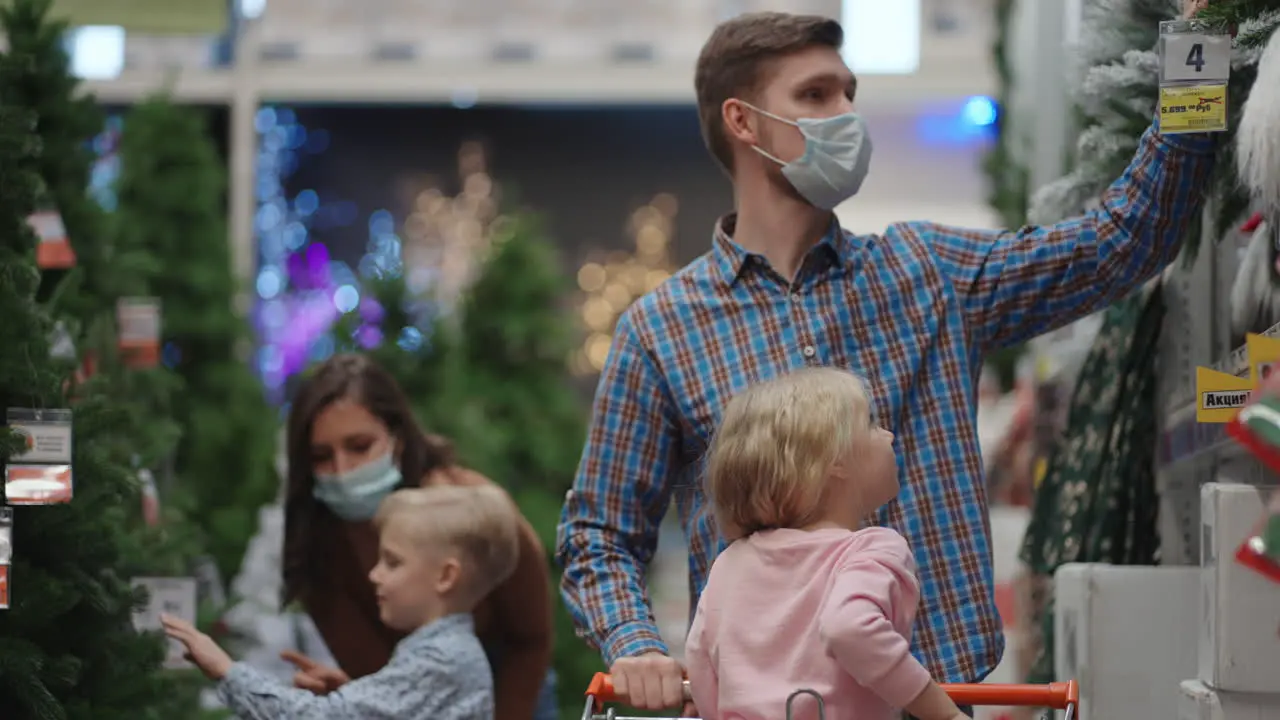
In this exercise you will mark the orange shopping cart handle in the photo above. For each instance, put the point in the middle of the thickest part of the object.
(1057, 695)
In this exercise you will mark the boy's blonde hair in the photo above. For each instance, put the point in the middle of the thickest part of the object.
(775, 447)
(479, 522)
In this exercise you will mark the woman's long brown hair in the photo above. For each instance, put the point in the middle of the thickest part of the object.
(309, 525)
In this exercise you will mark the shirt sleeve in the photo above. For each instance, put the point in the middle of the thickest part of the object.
(856, 622)
(704, 680)
(419, 689)
(608, 530)
(1015, 285)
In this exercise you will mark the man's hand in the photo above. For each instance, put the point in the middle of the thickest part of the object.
(1191, 7)
(311, 675)
(651, 681)
(212, 660)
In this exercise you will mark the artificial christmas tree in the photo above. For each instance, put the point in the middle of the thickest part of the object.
(1116, 98)
(170, 207)
(1114, 413)
(66, 120)
(68, 649)
(513, 341)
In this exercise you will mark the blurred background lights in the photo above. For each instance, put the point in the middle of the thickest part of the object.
(980, 111)
(346, 299)
(270, 282)
(609, 285)
(972, 122)
(250, 9)
(882, 38)
(465, 98)
(97, 51)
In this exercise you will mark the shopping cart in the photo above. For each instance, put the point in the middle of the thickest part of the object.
(1057, 696)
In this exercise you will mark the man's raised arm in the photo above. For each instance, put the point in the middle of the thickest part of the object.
(608, 529)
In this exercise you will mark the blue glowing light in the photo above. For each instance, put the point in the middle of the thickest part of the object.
(346, 299)
(270, 283)
(307, 202)
(980, 110)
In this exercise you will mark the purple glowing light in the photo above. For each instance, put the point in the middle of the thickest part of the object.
(371, 310)
(368, 336)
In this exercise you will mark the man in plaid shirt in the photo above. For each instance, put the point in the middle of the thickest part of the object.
(913, 310)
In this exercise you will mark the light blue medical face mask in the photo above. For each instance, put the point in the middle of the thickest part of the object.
(837, 156)
(356, 494)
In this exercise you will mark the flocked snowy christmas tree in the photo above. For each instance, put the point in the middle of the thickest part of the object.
(1116, 97)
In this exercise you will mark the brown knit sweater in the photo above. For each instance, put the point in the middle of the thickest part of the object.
(513, 622)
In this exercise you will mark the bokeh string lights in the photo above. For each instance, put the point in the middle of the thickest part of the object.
(106, 164)
(610, 285)
(446, 239)
(302, 290)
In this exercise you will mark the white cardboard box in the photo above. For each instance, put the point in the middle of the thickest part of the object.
(1200, 702)
(1126, 635)
(1239, 644)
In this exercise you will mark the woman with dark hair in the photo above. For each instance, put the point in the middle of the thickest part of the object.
(352, 440)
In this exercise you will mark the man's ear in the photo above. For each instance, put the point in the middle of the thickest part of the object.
(739, 121)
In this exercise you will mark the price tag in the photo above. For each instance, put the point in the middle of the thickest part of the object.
(37, 484)
(46, 434)
(138, 324)
(1193, 108)
(1195, 65)
(174, 596)
(54, 251)
(6, 535)
(6, 554)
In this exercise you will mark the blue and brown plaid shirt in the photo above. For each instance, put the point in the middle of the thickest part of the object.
(913, 310)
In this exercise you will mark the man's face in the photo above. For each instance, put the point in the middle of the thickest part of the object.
(811, 83)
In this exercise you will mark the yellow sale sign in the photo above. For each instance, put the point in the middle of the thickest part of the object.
(1219, 395)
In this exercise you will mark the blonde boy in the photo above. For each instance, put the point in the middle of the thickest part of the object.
(805, 596)
(441, 550)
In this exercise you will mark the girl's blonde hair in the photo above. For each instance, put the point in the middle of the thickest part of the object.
(775, 447)
(479, 522)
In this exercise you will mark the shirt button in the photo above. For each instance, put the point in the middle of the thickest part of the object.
(795, 297)
(809, 351)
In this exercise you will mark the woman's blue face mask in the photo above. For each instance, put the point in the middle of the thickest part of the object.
(356, 494)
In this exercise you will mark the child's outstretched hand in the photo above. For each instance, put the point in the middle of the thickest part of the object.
(311, 675)
(212, 660)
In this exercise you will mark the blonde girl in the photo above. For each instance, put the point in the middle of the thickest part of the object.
(805, 596)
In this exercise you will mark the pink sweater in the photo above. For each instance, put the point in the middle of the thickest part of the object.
(829, 610)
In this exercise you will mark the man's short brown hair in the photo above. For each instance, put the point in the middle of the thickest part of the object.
(734, 59)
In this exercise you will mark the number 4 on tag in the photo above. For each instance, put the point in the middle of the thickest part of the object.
(1195, 57)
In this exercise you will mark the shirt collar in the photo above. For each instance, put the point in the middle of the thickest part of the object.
(432, 631)
(730, 258)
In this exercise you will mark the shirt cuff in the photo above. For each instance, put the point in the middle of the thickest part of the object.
(632, 639)
(239, 681)
(904, 682)
(1200, 143)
